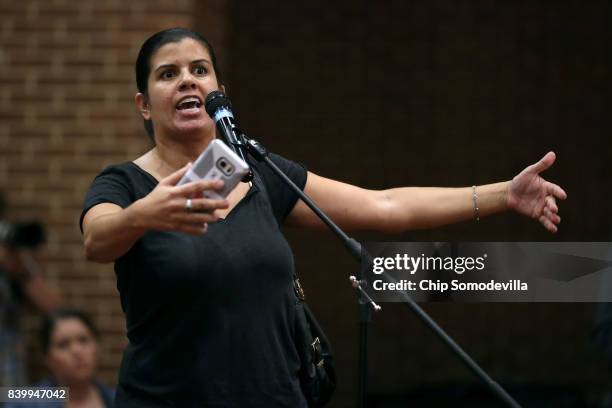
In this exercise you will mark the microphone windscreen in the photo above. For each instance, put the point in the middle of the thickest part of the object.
(216, 100)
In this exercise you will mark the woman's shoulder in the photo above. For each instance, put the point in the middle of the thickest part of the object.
(45, 383)
(288, 166)
(126, 172)
(107, 393)
(127, 167)
(119, 184)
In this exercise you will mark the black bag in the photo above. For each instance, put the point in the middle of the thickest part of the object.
(317, 373)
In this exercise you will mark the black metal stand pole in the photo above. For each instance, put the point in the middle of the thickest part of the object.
(365, 315)
(354, 248)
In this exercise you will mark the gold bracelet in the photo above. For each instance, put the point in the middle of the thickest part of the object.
(475, 199)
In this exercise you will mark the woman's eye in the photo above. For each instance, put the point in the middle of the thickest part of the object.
(63, 344)
(200, 70)
(84, 339)
(167, 74)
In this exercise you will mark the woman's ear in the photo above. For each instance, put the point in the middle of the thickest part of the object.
(222, 89)
(142, 104)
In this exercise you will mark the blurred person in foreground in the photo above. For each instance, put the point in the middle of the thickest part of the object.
(21, 283)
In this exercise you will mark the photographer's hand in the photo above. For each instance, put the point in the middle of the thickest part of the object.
(22, 266)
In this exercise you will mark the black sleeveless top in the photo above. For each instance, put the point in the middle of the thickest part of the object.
(210, 318)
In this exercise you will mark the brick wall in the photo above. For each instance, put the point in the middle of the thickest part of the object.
(66, 111)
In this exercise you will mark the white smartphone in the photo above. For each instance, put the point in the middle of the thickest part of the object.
(217, 162)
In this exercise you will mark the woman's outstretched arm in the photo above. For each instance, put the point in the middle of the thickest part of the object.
(407, 208)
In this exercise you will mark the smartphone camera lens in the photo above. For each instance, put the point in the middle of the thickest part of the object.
(225, 166)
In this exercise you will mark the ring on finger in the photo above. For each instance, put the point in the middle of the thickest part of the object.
(189, 205)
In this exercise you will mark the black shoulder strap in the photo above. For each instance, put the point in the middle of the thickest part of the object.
(261, 184)
(258, 181)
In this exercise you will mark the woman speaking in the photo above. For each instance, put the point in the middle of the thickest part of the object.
(206, 285)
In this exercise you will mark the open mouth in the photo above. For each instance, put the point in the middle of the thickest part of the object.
(189, 102)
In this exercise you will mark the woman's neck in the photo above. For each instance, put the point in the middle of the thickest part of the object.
(82, 394)
(168, 155)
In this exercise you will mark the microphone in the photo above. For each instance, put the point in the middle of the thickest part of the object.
(219, 108)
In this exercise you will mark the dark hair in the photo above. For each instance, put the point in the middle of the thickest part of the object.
(155, 42)
(52, 319)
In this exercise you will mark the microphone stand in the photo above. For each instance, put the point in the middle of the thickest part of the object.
(366, 304)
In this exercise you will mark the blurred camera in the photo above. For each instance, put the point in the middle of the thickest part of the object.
(27, 235)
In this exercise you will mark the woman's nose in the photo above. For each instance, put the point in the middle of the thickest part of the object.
(76, 348)
(187, 82)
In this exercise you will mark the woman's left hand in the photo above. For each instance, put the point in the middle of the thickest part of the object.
(531, 195)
